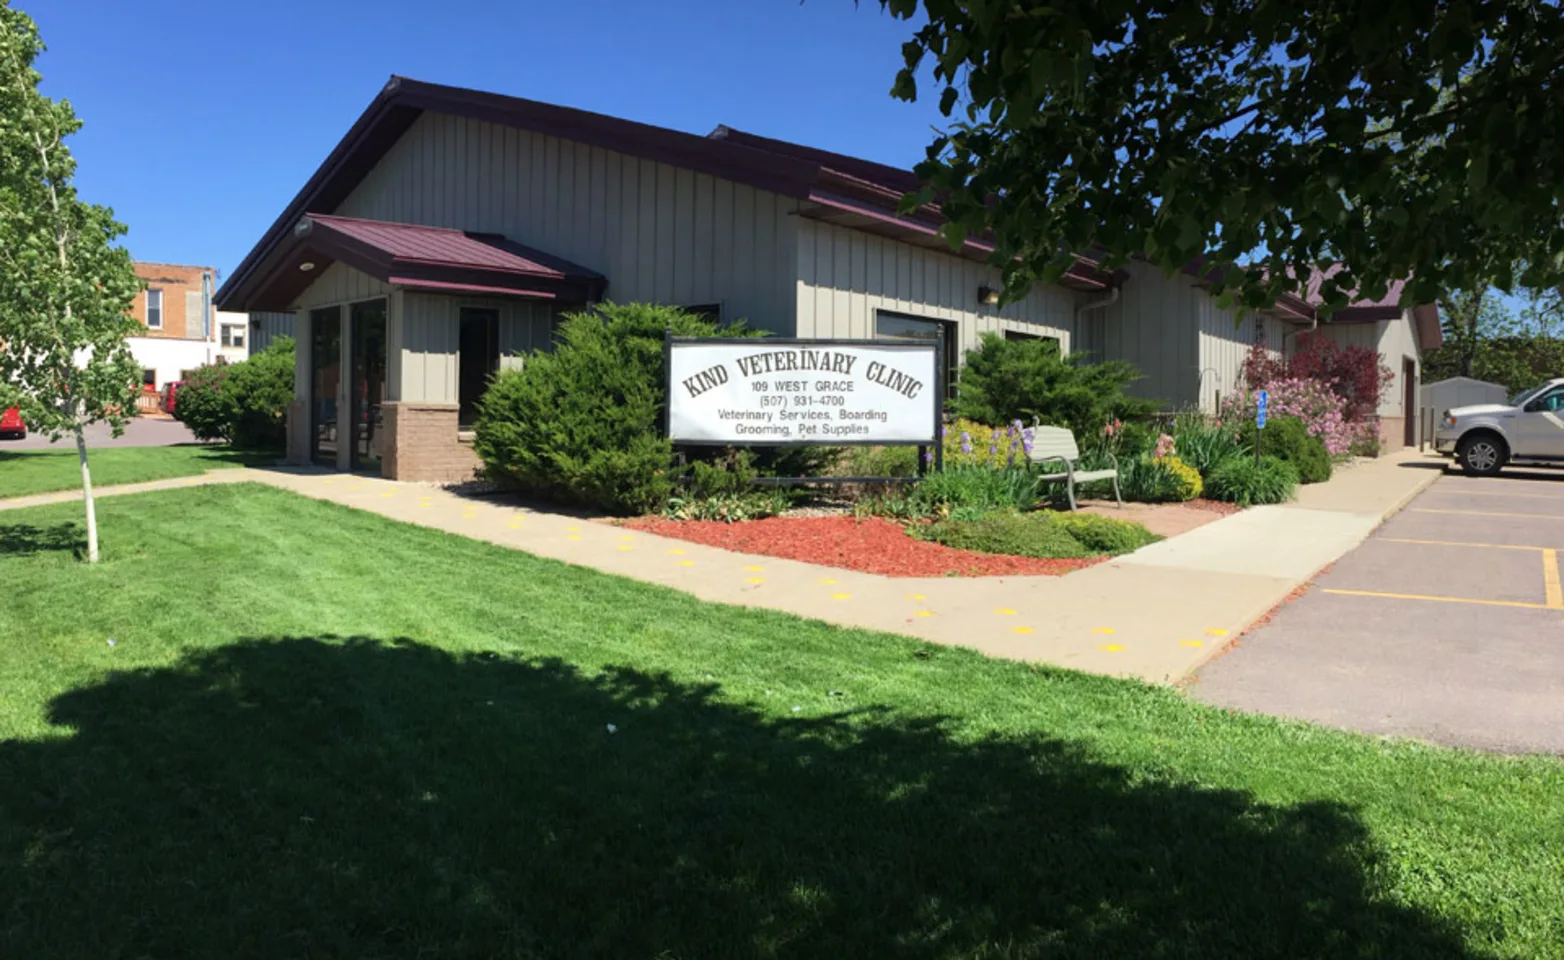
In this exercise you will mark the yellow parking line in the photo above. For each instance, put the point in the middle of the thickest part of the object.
(1419, 596)
(1550, 578)
(1488, 513)
(1460, 543)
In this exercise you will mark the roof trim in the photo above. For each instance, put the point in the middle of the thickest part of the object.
(279, 277)
(790, 170)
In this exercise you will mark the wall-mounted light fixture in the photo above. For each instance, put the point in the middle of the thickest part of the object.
(988, 295)
(307, 266)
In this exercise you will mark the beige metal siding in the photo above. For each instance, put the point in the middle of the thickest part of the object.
(844, 276)
(266, 327)
(339, 284)
(1156, 326)
(1225, 342)
(430, 334)
(1393, 340)
(658, 233)
(1397, 342)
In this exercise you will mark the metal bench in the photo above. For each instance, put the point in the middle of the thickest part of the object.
(1057, 445)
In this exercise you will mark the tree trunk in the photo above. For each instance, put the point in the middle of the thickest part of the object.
(86, 490)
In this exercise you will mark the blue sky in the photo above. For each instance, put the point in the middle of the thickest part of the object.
(202, 120)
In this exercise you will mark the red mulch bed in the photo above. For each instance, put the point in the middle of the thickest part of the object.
(868, 545)
(1215, 506)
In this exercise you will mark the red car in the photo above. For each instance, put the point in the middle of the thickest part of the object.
(11, 425)
(170, 394)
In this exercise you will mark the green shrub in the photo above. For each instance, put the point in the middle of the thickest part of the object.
(245, 403)
(1009, 380)
(1187, 484)
(942, 491)
(1046, 535)
(1203, 446)
(1143, 480)
(1288, 439)
(203, 405)
(1240, 480)
(583, 424)
(968, 443)
(878, 462)
(1105, 534)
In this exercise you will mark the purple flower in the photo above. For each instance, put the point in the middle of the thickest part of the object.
(928, 456)
(966, 442)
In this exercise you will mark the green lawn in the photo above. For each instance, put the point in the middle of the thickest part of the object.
(319, 733)
(24, 472)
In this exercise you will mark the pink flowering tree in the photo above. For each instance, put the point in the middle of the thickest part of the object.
(1320, 409)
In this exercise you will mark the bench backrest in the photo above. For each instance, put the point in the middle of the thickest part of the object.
(1054, 442)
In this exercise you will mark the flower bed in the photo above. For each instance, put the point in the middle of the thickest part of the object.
(867, 545)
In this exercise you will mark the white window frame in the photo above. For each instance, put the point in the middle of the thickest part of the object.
(159, 292)
(229, 331)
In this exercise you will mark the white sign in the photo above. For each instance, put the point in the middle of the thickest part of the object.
(830, 392)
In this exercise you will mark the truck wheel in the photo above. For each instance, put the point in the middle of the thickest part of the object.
(1481, 455)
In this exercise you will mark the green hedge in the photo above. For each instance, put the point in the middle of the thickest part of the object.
(1045, 535)
(1009, 380)
(583, 424)
(244, 404)
(1240, 480)
(1288, 439)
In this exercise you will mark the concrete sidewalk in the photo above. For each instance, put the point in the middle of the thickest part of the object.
(1157, 614)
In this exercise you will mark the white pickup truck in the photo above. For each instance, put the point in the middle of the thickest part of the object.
(1485, 437)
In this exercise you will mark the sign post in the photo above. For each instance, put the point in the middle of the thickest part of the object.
(1262, 401)
(767, 392)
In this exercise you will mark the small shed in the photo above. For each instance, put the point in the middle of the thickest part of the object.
(1460, 392)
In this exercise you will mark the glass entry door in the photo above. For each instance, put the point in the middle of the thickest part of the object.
(325, 380)
(369, 382)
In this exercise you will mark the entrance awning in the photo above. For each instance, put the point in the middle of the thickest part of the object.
(415, 257)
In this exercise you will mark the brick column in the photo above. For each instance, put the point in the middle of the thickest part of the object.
(422, 444)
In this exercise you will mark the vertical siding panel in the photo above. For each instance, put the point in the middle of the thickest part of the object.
(681, 275)
(765, 256)
(808, 281)
(704, 256)
(646, 248)
(722, 246)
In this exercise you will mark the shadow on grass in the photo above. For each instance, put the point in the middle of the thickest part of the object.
(23, 539)
(330, 797)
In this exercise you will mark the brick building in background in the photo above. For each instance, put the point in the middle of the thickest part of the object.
(180, 329)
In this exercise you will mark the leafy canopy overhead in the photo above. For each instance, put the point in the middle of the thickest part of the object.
(1404, 139)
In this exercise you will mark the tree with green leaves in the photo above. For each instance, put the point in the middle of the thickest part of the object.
(65, 288)
(1485, 339)
(1259, 139)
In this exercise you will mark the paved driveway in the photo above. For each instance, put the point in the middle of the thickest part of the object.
(140, 432)
(1447, 624)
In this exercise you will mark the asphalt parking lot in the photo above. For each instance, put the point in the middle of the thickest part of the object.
(1446, 625)
(140, 432)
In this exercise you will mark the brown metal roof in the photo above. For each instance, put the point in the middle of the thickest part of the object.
(416, 257)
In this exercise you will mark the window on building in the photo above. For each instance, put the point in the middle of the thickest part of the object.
(233, 335)
(1016, 335)
(148, 377)
(154, 309)
(478, 359)
(901, 326)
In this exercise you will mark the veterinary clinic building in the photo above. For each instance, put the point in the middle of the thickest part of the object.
(449, 229)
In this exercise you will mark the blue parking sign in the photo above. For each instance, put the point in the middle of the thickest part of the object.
(1259, 413)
